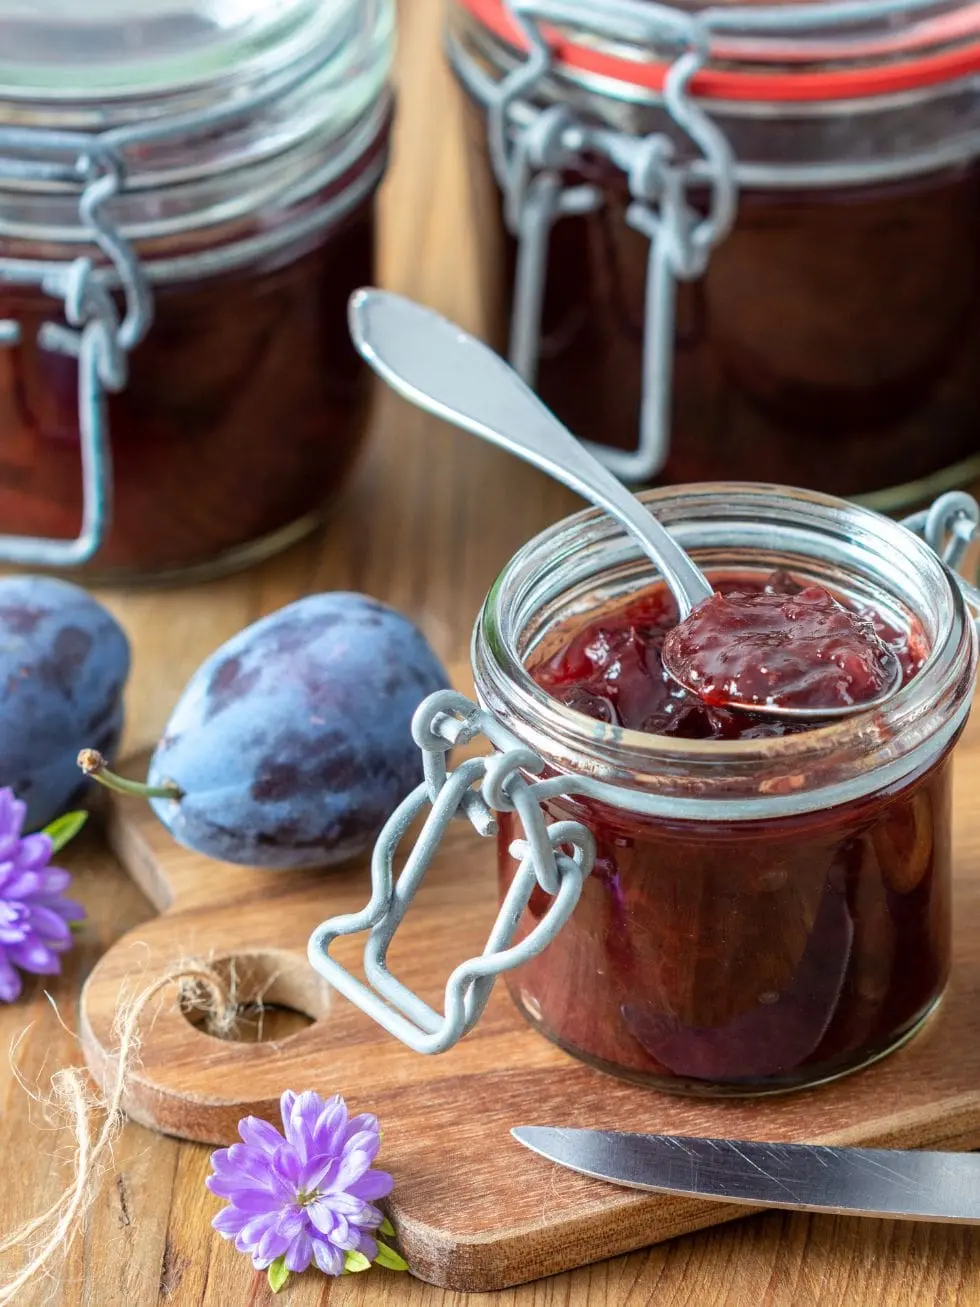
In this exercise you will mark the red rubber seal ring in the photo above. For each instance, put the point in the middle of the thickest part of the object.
(717, 84)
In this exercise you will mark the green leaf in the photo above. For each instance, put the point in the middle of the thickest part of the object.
(64, 828)
(355, 1262)
(388, 1257)
(76, 927)
(278, 1274)
(387, 1228)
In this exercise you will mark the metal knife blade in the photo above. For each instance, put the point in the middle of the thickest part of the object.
(894, 1183)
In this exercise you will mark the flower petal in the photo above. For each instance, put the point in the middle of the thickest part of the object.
(359, 1124)
(21, 883)
(32, 954)
(11, 984)
(253, 1230)
(330, 1130)
(329, 1259)
(317, 1173)
(35, 852)
(12, 813)
(367, 1246)
(245, 1162)
(372, 1184)
(302, 1119)
(237, 1189)
(54, 880)
(67, 909)
(300, 1252)
(346, 1205)
(292, 1220)
(272, 1245)
(353, 1165)
(322, 1217)
(229, 1222)
(260, 1134)
(341, 1235)
(51, 928)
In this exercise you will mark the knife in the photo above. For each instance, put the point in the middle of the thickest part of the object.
(899, 1184)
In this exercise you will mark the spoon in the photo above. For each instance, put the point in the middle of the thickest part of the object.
(439, 367)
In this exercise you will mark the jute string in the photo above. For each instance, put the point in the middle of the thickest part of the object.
(73, 1103)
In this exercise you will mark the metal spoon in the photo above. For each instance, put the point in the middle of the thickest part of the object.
(439, 367)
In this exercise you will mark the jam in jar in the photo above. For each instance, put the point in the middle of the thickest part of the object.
(180, 230)
(706, 901)
(769, 905)
(760, 263)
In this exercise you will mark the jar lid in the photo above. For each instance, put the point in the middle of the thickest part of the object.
(790, 52)
(216, 109)
(109, 50)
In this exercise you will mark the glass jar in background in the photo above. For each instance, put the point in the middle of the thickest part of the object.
(706, 916)
(186, 203)
(741, 243)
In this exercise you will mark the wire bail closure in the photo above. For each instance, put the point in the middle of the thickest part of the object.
(443, 720)
(528, 162)
(97, 338)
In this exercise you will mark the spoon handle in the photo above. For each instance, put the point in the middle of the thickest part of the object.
(439, 367)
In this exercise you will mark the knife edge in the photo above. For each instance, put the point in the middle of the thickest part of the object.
(896, 1184)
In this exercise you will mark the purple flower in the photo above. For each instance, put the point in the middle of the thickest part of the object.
(34, 918)
(306, 1197)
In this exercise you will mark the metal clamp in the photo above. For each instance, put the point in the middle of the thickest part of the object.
(442, 721)
(529, 161)
(949, 526)
(100, 341)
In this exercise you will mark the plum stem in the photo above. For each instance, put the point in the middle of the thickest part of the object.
(93, 764)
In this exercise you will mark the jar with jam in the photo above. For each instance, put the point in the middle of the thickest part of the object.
(704, 899)
(186, 203)
(740, 241)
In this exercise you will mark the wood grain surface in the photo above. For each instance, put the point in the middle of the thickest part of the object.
(430, 518)
(500, 1216)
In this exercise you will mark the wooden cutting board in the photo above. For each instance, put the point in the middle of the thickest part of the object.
(473, 1209)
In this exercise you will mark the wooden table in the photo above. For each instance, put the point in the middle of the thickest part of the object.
(430, 518)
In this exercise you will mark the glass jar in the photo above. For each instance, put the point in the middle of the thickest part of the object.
(705, 916)
(737, 242)
(186, 203)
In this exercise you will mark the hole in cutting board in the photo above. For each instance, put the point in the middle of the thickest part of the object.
(276, 996)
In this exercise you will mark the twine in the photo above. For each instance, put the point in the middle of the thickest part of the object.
(200, 986)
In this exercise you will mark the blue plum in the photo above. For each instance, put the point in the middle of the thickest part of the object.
(292, 743)
(64, 661)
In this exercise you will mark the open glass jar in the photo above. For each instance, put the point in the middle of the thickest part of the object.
(737, 241)
(707, 916)
(186, 203)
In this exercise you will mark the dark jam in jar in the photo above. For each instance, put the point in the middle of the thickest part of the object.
(794, 357)
(738, 956)
(244, 409)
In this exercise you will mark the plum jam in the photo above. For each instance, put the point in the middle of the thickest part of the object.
(789, 645)
(778, 345)
(186, 204)
(243, 412)
(769, 905)
(786, 646)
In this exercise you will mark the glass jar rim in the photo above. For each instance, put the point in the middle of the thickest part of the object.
(937, 46)
(120, 58)
(264, 138)
(739, 524)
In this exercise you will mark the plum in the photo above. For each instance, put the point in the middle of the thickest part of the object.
(291, 745)
(64, 661)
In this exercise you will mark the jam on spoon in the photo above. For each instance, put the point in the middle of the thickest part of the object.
(613, 669)
(772, 649)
